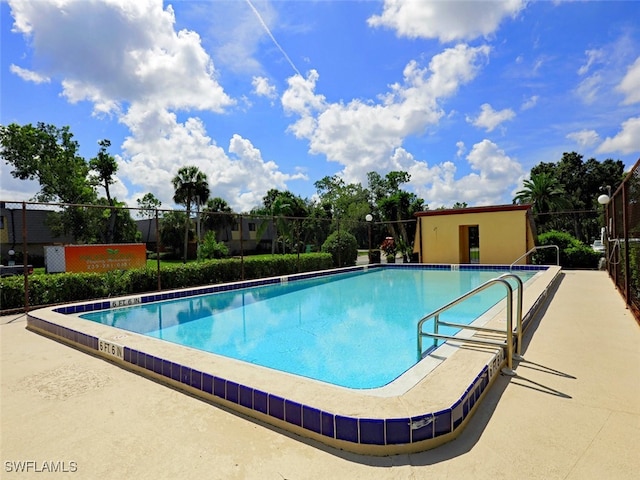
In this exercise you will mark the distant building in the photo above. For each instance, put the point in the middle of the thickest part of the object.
(230, 236)
(36, 226)
(484, 235)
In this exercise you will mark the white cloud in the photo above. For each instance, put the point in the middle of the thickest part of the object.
(446, 21)
(630, 84)
(362, 136)
(489, 118)
(141, 57)
(263, 88)
(160, 145)
(530, 102)
(29, 75)
(593, 56)
(584, 138)
(146, 73)
(589, 88)
(626, 141)
(602, 72)
(493, 173)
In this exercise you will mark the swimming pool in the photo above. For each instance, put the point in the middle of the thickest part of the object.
(331, 328)
(427, 405)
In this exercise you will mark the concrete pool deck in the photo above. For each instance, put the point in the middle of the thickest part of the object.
(573, 412)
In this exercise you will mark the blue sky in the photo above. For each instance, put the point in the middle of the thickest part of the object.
(465, 96)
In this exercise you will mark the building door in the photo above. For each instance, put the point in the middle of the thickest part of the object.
(469, 236)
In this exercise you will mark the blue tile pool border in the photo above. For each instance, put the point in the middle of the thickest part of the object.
(394, 431)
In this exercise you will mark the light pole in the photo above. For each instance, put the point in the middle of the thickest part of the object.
(604, 200)
(369, 219)
(605, 197)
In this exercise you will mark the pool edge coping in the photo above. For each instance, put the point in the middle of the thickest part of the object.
(409, 431)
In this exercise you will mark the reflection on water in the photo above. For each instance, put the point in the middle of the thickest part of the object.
(356, 330)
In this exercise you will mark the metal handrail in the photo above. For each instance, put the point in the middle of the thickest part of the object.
(538, 248)
(509, 330)
(518, 311)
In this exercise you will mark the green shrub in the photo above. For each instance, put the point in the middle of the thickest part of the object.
(573, 252)
(343, 248)
(47, 289)
(11, 292)
(209, 248)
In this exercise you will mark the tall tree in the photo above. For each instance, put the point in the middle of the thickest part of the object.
(171, 227)
(281, 206)
(581, 182)
(49, 155)
(190, 186)
(346, 204)
(147, 206)
(218, 215)
(396, 206)
(105, 167)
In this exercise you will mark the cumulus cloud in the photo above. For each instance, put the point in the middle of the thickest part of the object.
(630, 84)
(29, 75)
(157, 139)
(626, 141)
(489, 119)
(493, 176)
(446, 21)
(263, 88)
(584, 138)
(366, 135)
(147, 73)
(141, 56)
(361, 135)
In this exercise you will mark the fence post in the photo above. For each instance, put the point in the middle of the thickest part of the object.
(241, 249)
(298, 227)
(158, 251)
(627, 249)
(25, 257)
(339, 245)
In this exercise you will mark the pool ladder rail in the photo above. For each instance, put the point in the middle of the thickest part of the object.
(508, 332)
(535, 249)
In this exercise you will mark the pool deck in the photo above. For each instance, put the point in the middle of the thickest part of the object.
(572, 412)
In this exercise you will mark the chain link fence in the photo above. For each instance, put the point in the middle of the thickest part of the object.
(584, 225)
(55, 239)
(623, 239)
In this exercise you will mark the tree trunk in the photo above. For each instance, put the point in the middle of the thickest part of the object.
(186, 232)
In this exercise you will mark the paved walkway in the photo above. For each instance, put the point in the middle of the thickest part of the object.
(572, 412)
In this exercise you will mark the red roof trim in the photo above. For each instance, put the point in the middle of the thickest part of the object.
(485, 209)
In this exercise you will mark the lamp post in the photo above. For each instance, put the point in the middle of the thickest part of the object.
(369, 219)
(605, 197)
(604, 200)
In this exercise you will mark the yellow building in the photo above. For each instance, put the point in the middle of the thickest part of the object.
(488, 235)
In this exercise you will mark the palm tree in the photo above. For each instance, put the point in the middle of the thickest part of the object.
(546, 195)
(190, 185)
(218, 215)
(544, 192)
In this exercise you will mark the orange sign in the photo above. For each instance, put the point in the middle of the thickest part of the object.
(103, 258)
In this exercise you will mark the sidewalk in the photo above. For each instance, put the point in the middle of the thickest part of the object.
(572, 412)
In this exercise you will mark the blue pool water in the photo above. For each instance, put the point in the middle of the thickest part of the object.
(356, 330)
